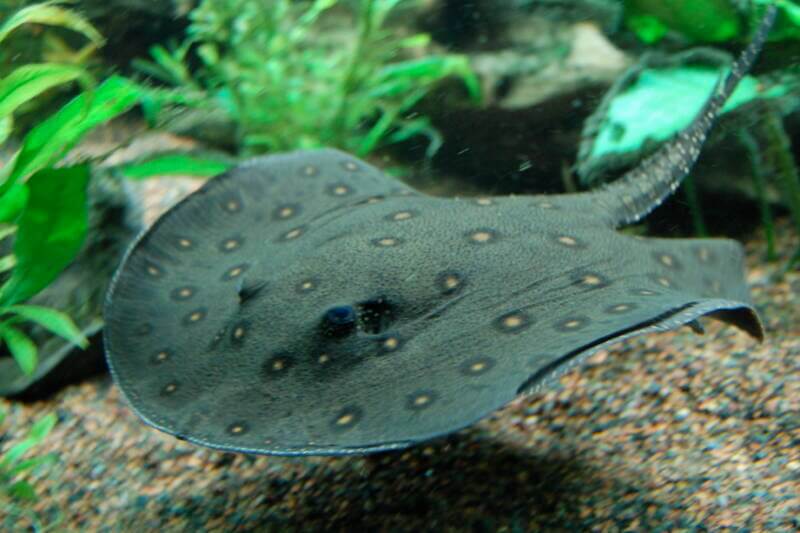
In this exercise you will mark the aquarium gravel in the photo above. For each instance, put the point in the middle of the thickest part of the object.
(663, 432)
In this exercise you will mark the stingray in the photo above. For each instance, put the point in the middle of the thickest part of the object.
(309, 304)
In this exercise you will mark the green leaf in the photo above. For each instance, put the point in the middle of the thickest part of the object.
(22, 490)
(6, 127)
(49, 141)
(13, 202)
(21, 347)
(51, 230)
(174, 164)
(662, 102)
(42, 428)
(52, 320)
(29, 81)
(50, 14)
(32, 463)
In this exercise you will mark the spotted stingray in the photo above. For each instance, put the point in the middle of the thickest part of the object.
(307, 303)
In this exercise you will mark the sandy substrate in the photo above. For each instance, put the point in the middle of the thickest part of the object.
(664, 432)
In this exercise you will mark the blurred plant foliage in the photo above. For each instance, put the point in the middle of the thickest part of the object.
(286, 80)
(44, 208)
(707, 21)
(13, 463)
(42, 38)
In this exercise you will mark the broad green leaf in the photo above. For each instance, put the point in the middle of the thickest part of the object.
(663, 102)
(50, 231)
(29, 81)
(7, 262)
(13, 202)
(52, 320)
(22, 490)
(700, 20)
(49, 13)
(6, 127)
(32, 463)
(49, 141)
(21, 347)
(42, 428)
(174, 164)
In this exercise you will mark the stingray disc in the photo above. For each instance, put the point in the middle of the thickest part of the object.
(307, 303)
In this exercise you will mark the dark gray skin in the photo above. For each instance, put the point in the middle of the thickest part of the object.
(308, 304)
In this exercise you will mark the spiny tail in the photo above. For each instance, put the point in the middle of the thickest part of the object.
(643, 188)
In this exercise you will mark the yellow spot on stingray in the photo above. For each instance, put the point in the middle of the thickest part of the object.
(391, 343)
(402, 215)
(278, 365)
(237, 429)
(566, 240)
(293, 234)
(197, 315)
(422, 400)
(285, 212)
(513, 321)
(184, 243)
(479, 366)
(230, 244)
(341, 190)
(345, 419)
(238, 333)
(664, 282)
(324, 358)
(162, 356)
(591, 280)
(451, 282)
(233, 205)
(235, 272)
(387, 242)
(484, 201)
(153, 271)
(481, 236)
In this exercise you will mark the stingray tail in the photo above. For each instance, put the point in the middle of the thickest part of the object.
(643, 188)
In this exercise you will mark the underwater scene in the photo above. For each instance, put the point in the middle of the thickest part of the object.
(399, 265)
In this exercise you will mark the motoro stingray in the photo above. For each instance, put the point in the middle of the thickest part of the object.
(307, 303)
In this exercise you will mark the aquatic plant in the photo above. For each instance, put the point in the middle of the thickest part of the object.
(13, 462)
(669, 91)
(284, 83)
(707, 21)
(48, 63)
(43, 208)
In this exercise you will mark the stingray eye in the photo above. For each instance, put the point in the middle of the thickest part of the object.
(340, 320)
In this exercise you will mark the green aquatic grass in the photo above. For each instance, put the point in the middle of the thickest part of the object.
(285, 83)
(18, 462)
